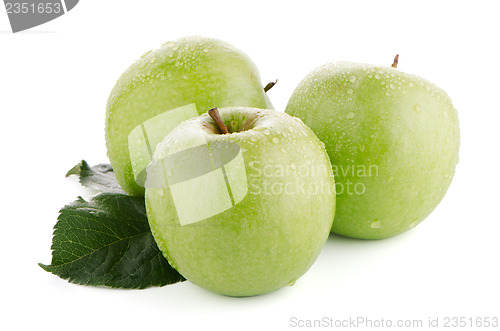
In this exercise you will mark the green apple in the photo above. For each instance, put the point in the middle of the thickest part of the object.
(241, 213)
(196, 71)
(393, 141)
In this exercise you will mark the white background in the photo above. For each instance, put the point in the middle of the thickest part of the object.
(54, 84)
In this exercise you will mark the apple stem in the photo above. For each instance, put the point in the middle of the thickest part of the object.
(214, 114)
(270, 86)
(396, 60)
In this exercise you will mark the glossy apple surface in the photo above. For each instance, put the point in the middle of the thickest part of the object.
(392, 138)
(195, 70)
(258, 224)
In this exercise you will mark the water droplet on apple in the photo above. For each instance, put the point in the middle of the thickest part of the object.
(375, 224)
(145, 54)
(276, 140)
(377, 76)
(350, 115)
(330, 121)
(414, 223)
(283, 151)
(259, 128)
(292, 282)
(292, 166)
(362, 147)
(410, 84)
(349, 91)
(445, 114)
(392, 86)
(169, 54)
(352, 79)
(390, 179)
(417, 108)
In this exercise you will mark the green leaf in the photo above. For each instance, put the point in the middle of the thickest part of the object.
(100, 177)
(107, 241)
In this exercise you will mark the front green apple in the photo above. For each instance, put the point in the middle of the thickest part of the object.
(242, 213)
(393, 141)
(195, 73)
